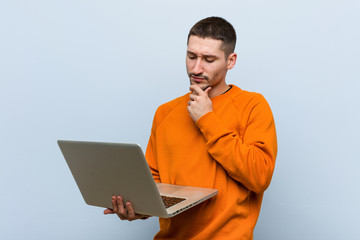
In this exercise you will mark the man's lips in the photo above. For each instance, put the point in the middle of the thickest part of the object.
(198, 79)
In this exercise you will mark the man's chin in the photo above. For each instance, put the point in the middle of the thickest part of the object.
(203, 86)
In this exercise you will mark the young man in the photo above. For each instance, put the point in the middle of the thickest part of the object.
(216, 136)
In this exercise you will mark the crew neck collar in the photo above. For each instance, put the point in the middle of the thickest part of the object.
(224, 94)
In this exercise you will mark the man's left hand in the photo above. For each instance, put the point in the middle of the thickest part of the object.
(199, 103)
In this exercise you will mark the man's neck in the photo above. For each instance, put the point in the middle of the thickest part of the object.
(219, 90)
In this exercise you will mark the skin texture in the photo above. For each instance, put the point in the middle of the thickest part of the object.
(199, 103)
(124, 211)
(206, 66)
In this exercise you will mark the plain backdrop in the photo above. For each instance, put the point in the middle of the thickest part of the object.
(97, 71)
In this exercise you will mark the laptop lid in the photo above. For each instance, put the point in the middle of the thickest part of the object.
(102, 170)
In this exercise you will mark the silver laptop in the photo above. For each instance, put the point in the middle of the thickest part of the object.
(102, 170)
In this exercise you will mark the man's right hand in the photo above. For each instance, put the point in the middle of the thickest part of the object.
(125, 212)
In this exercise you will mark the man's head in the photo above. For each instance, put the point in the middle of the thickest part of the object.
(210, 54)
(216, 28)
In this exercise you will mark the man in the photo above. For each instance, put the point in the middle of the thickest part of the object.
(216, 136)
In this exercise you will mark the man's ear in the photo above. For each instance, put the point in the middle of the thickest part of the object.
(231, 61)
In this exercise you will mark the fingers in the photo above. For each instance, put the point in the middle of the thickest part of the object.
(113, 201)
(121, 210)
(199, 91)
(124, 211)
(132, 215)
(108, 211)
(130, 211)
(192, 97)
(196, 90)
(207, 90)
(118, 208)
(114, 210)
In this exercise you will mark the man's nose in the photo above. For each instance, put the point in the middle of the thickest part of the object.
(198, 68)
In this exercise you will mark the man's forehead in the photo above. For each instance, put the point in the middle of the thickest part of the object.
(204, 46)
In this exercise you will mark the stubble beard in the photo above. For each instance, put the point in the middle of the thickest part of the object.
(202, 85)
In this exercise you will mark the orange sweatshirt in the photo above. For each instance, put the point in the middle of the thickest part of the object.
(232, 149)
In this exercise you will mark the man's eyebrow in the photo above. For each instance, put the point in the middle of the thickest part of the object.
(210, 56)
(205, 56)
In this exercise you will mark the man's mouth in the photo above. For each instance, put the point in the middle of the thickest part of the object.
(198, 78)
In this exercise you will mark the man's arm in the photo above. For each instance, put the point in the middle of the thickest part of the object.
(249, 159)
(150, 153)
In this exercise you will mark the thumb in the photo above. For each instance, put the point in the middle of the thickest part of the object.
(108, 211)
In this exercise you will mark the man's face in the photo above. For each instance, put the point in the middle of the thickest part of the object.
(205, 62)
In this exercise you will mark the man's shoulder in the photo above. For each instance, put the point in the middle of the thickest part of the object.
(241, 96)
(168, 106)
(248, 101)
(165, 108)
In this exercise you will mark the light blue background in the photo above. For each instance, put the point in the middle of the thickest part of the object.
(97, 70)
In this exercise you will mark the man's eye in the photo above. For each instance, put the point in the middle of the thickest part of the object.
(209, 60)
(191, 57)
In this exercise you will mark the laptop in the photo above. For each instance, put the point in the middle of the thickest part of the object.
(102, 170)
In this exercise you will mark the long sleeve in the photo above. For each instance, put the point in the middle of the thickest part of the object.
(248, 156)
(153, 153)
(231, 149)
(150, 153)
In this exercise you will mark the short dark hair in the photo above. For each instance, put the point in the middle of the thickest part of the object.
(216, 28)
